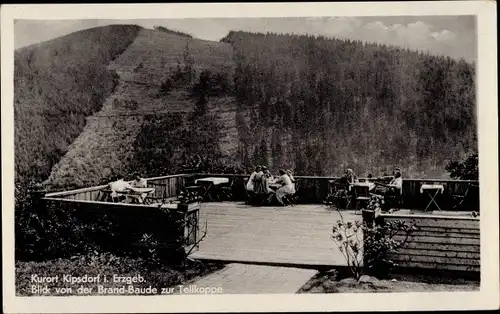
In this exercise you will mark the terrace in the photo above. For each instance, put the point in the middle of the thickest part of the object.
(297, 235)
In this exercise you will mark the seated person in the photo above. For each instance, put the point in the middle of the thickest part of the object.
(290, 175)
(261, 186)
(351, 177)
(268, 175)
(139, 182)
(120, 185)
(250, 184)
(348, 179)
(286, 186)
(369, 177)
(394, 187)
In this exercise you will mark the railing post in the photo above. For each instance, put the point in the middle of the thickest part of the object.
(368, 222)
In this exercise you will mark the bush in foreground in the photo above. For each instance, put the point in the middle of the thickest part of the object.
(366, 247)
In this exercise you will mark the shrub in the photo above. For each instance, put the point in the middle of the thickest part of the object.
(467, 169)
(368, 253)
(212, 83)
(48, 231)
(206, 164)
(45, 232)
(166, 87)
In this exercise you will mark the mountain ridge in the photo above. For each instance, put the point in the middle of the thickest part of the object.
(279, 100)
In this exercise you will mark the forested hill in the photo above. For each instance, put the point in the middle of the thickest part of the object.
(160, 102)
(57, 84)
(326, 104)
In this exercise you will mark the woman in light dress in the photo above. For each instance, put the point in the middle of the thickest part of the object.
(286, 186)
(290, 175)
(119, 186)
(351, 176)
(250, 184)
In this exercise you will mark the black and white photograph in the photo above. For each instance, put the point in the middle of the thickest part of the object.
(191, 157)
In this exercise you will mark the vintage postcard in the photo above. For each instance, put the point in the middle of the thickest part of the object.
(248, 157)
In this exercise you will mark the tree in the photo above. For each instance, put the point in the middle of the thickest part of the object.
(467, 169)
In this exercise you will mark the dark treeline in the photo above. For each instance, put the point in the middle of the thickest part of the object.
(319, 105)
(171, 31)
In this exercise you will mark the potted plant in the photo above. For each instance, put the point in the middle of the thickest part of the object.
(188, 201)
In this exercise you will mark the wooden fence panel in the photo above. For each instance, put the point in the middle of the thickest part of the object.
(451, 243)
(129, 221)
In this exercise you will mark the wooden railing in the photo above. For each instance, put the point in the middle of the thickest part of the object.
(165, 187)
(310, 189)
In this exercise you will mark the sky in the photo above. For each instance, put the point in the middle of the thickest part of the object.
(453, 36)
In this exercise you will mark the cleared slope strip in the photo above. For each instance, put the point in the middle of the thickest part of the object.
(105, 146)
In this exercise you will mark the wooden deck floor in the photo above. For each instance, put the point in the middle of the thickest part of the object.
(299, 235)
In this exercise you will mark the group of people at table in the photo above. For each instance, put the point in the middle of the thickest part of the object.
(349, 185)
(395, 182)
(135, 191)
(263, 183)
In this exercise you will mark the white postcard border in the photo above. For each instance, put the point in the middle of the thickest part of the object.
(487, 297)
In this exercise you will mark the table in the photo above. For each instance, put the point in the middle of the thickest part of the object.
(438, 188)
(139, 194)
(274, 186)
(362, 192)
(136, 194)
(370, 185)
(211, 182)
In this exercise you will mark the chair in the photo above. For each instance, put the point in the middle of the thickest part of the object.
(260, 194)
(105, 195)
(226, 190)
(195, 189)
(292, 199)
(249, 194)
(342, 195)
(463, 199)
(361, 195)
(149, 200)
(393, 200)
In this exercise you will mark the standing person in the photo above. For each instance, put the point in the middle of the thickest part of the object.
(286, 186)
